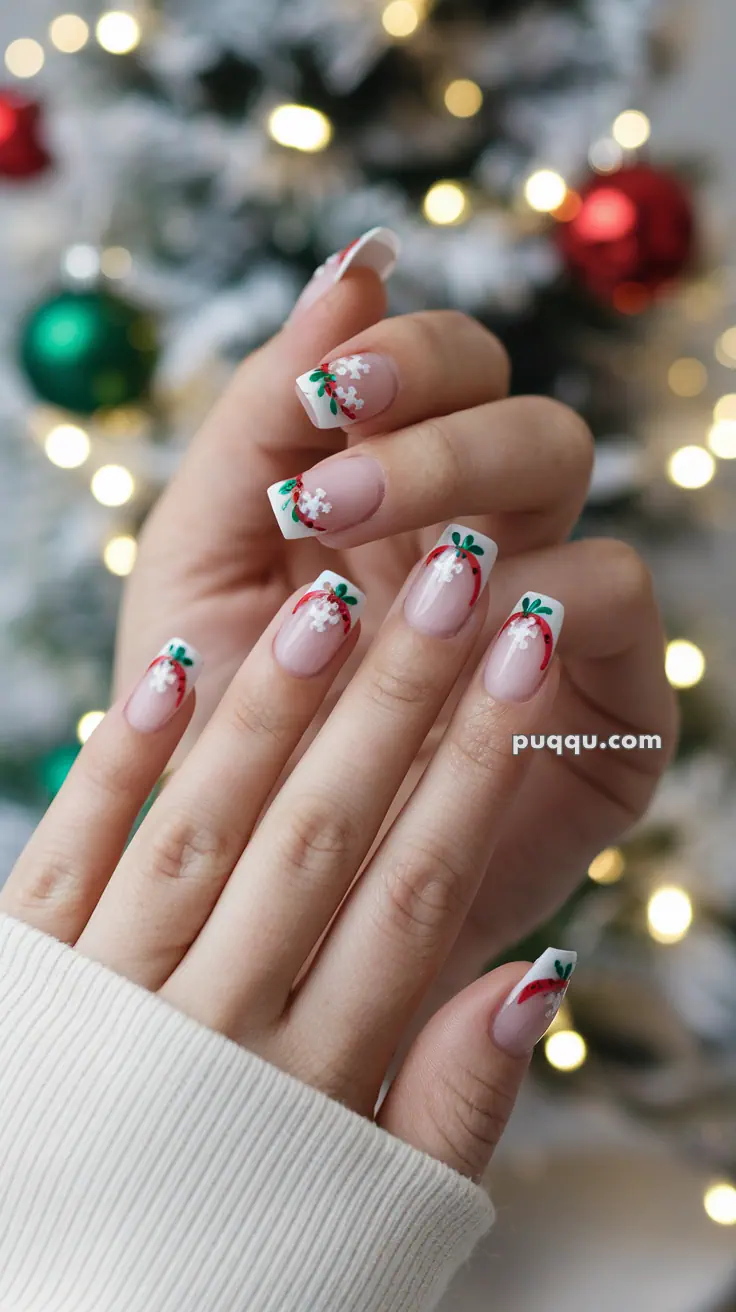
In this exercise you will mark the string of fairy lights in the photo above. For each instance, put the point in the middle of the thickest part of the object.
(70, 446)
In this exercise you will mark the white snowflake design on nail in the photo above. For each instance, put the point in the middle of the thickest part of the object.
(349, 398)
(354, 365)
(322, 614)
(446, 566)
(163, 677)
(523, 631)
(313, 504)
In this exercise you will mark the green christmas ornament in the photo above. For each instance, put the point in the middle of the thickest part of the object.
(54, 767)
(83, 350)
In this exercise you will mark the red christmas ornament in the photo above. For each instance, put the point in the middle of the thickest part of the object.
(22, 151)
(631, 233)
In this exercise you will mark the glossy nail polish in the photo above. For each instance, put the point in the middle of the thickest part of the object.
(449, 581)
(348, 389)
(320, 622)
(523, 648)
(166, 683)
(336, 494)
(377, 249)
(530, 1008)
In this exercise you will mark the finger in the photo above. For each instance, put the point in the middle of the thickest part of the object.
(61, 874)
(183, 854)
(318, 830)
(403, 916)
(525, 463)
(457, 1085)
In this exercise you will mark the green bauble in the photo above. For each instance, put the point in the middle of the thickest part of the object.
(83, 350)
(55, 766)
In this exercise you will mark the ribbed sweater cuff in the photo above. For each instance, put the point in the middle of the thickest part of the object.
(148, 1164)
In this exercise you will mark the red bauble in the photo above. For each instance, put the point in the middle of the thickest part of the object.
(633, 231)
(22, 151)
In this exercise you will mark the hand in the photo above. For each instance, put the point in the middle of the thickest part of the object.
(262, 929)
(212, 562)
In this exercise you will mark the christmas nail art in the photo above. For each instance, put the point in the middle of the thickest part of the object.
(167, 682)
(377, 249)
(320, 622)
(336, 494)
(523, 648)
(348, 389)
(449, 581)
(531, 1007)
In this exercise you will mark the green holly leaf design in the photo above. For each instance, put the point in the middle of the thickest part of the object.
(477, 551)
(456, 539)
(321, 390)
(315, 377)
(341, 589)
(294, 515)
(530, 607)
(544, 610)
(288, 486)
(333, 405)
(351, 601)
(560, 969)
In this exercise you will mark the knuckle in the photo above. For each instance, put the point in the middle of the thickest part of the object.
(626, 574)
(419, 895)
(320, 835)
(469, 1112)
(393, 684)
(440, 456)
(184, 847)
(257, 717)
(481, 747)
(576, 441)
(52, 885)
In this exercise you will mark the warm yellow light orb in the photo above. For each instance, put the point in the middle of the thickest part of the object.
(607, 866)
(684, 663)
(545, 190)
(88, 724)
(118, 32)
(719, 1201)
(67, 446)
(566, 1050)
(299, 127)
(722, 439)
(726, 348)
(445, 203)
(116, 262)
(112, 485)
(687, 376)
(120, 553)
(400, 18)
(69, 33)
(669, 914)
(631, 129)
(463, 98)
(24, 57)
(691, 467)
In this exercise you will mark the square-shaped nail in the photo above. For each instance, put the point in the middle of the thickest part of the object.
(449, 581)
(377, 249)
(531, 1007)
(320, 622)
(523, 648)
(336, 494)
(348, 389)
(166, 683)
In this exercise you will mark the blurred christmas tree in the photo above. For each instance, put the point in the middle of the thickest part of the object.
(170, 175)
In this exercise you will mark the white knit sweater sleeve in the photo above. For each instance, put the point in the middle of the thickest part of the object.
(148, 1164)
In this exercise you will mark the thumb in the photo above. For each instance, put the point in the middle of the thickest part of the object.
(458, 1084)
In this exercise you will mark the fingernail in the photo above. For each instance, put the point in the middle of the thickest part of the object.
(377, 249)
(450, 581)
(318, 625)
(523, 648)
(531, 1007)
(166, 683)
(348, 389)
(336, 494)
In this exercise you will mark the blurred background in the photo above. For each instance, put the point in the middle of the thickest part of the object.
(170, 174)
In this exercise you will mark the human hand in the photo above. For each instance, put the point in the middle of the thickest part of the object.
(278, 932)
(212, 561)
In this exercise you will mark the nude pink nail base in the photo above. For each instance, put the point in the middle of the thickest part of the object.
(530, 1008)
(320, 622)
(376, 249)
(336, 494)
(449, 581)
(523, 648)
(347, 389)
(166, 683)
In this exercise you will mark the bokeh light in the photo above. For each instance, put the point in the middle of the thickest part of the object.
(400, 18)
(691, 466)
(299, 127)
(67, 446)
(669, 914)
(566, 1050)
(69, 33)
(684, 663)
(88, 723)
(722, 439)
(631, 129)
(463, 98)
(719, 1201)
(118, 32)
(607, 867)
(687, 376)
(545, 190)
(120, 553)
(112, 485)
(24, 57)
(445, 203)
